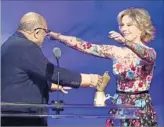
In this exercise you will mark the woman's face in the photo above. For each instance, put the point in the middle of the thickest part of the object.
(129, 29)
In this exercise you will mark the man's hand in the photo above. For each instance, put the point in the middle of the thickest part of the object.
(55, 87)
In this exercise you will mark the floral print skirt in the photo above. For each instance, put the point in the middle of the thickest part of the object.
(145, 112)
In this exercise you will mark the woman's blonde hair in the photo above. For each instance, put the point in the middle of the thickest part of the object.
(143, 20)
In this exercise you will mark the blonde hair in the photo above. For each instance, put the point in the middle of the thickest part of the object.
(143, 20)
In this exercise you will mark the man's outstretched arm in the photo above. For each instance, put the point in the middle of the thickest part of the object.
(36, 63)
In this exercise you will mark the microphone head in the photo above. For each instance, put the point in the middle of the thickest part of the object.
(57, 52)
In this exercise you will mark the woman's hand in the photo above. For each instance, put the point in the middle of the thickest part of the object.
(53, 35)
(116, 36)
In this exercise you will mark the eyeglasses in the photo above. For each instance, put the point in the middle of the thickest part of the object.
(46, 30)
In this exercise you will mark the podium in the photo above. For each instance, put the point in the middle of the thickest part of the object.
(80, 111)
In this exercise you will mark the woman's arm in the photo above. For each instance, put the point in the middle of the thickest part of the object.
(106, 51)
(145, 53)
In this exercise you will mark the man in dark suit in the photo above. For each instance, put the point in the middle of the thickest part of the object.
(27, 76)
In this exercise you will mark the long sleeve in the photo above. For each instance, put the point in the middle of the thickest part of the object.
(34, 62)
(145, 53)
(106, 51)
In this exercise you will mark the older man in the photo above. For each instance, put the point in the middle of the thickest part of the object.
(27, 76)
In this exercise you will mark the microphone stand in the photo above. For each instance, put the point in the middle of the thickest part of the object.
(57, 59)
(59, 103)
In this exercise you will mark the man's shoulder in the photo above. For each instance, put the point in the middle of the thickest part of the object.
(17, 45)
(16, 41)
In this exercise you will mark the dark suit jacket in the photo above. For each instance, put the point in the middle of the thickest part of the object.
(25, 73)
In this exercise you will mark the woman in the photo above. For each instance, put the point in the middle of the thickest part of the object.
(133, 64)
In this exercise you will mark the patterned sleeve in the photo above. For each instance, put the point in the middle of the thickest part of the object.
(144, 52)
(106, 51)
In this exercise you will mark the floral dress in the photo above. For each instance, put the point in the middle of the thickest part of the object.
(133, 67)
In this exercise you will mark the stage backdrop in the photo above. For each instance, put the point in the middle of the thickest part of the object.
(91, 21)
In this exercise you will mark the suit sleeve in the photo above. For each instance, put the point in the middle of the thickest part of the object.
(35, 63)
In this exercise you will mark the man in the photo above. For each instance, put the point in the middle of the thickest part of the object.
(27, 76)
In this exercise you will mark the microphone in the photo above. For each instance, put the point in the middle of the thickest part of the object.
(57, 53)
